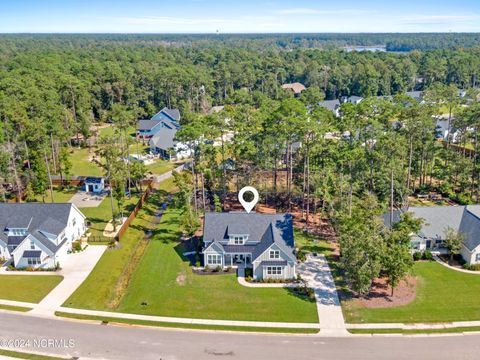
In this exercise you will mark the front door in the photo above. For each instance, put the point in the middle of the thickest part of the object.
(428, 244)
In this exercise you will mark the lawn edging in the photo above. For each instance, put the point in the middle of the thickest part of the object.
(186, 325)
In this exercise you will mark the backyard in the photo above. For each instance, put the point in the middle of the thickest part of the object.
(27, 288)
(442, 295)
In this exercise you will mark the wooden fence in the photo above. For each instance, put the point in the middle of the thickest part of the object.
(135, 211)
(461, 149)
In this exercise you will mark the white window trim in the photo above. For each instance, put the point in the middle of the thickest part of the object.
(214, 259)
(274, 254)
(274, 270)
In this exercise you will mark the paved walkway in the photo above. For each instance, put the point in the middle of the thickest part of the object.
(74, 272)
(441, 262)
(316, 272)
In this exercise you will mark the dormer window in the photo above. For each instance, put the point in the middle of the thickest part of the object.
(238, 239)
(17, 232)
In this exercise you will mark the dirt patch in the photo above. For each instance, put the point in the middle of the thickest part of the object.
(181, 278)
(379, 296)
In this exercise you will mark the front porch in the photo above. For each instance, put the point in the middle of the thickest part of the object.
(239, 259)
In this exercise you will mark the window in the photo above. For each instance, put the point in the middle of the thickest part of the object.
(34, 261)
(477, 257)
(274, 254)
(238, 240)
(32, 245)
(74, 222)
(214, 260)
(274, 270)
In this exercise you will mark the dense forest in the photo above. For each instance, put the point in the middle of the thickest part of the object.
(368, 160)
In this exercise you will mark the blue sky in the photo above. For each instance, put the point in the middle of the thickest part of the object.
(246, 16)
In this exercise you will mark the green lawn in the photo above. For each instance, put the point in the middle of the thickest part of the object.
(27, 288)
(443, 295)
(98, 289)
(82, 165)
(187, 326)
(165, 283)
(59, 196)
(160, 167)
(309, 243)
(101, 215)
(23, 355)
(15, 308)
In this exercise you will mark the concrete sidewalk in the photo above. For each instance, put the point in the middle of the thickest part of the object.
(243, 282)
(316, 272)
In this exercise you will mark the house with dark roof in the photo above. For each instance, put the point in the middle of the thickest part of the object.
(262, 242)
(39, 235)
(167, 147)
(332, 105)
(169, 115)
(464, 219)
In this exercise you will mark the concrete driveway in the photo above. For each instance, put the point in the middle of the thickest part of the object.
(316, 272)
(74, 272)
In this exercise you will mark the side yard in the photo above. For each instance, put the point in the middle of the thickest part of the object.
(27, 288)
(442, 295)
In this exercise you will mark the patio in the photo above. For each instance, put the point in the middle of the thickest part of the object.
(83, 199)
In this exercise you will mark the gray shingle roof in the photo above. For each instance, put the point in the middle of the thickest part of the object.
(164, 139)
(173, 114)
(330, 104)
(465, 219)
(147, 124)
(50, 218)
(265, 228)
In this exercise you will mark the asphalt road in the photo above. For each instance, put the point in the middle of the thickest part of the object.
(88, 340)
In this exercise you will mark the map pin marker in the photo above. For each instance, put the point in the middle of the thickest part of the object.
(248, 205)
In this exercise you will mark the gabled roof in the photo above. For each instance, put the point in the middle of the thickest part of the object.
(172, 114)
(49, 218)
(330, 104)
(164, 139)
(465, 219)
(417, 95)
(94, 179)
(266, 229)
(296, 87)
(147, 124)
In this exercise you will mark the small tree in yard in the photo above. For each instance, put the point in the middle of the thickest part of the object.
(453, 241)
(397, 259)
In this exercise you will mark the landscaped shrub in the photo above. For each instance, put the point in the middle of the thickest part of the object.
(228, 269)
(301, 255)
(427, 255)
(76, 246)
(472, 267)
(217, 269)
(417, 255)
(248, 272)
(206, 268)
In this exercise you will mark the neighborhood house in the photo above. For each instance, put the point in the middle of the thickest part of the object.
(262, 242)
(165, 118)
(464, 219)
(39, 235)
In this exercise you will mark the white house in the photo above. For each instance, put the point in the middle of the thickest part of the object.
(39, 235)
(464, 219)
(262, 242)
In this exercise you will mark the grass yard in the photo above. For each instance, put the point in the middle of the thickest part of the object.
(443, 295)
(15, 308)
(160, 167)
(101, 215)
(82, 165)
(59, 196)
(27, 288)
(98, 289)
(165, 284)
(309, 243)
(187, 326)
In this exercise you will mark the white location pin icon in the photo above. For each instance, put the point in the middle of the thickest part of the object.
(248, 205)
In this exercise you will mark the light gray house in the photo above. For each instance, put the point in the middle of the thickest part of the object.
(332, 105)
(94, 184)
(39, 235)
(464, 219)
(263, 242)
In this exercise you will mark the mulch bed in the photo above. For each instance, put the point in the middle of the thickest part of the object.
(211, 272)
(379, 296)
